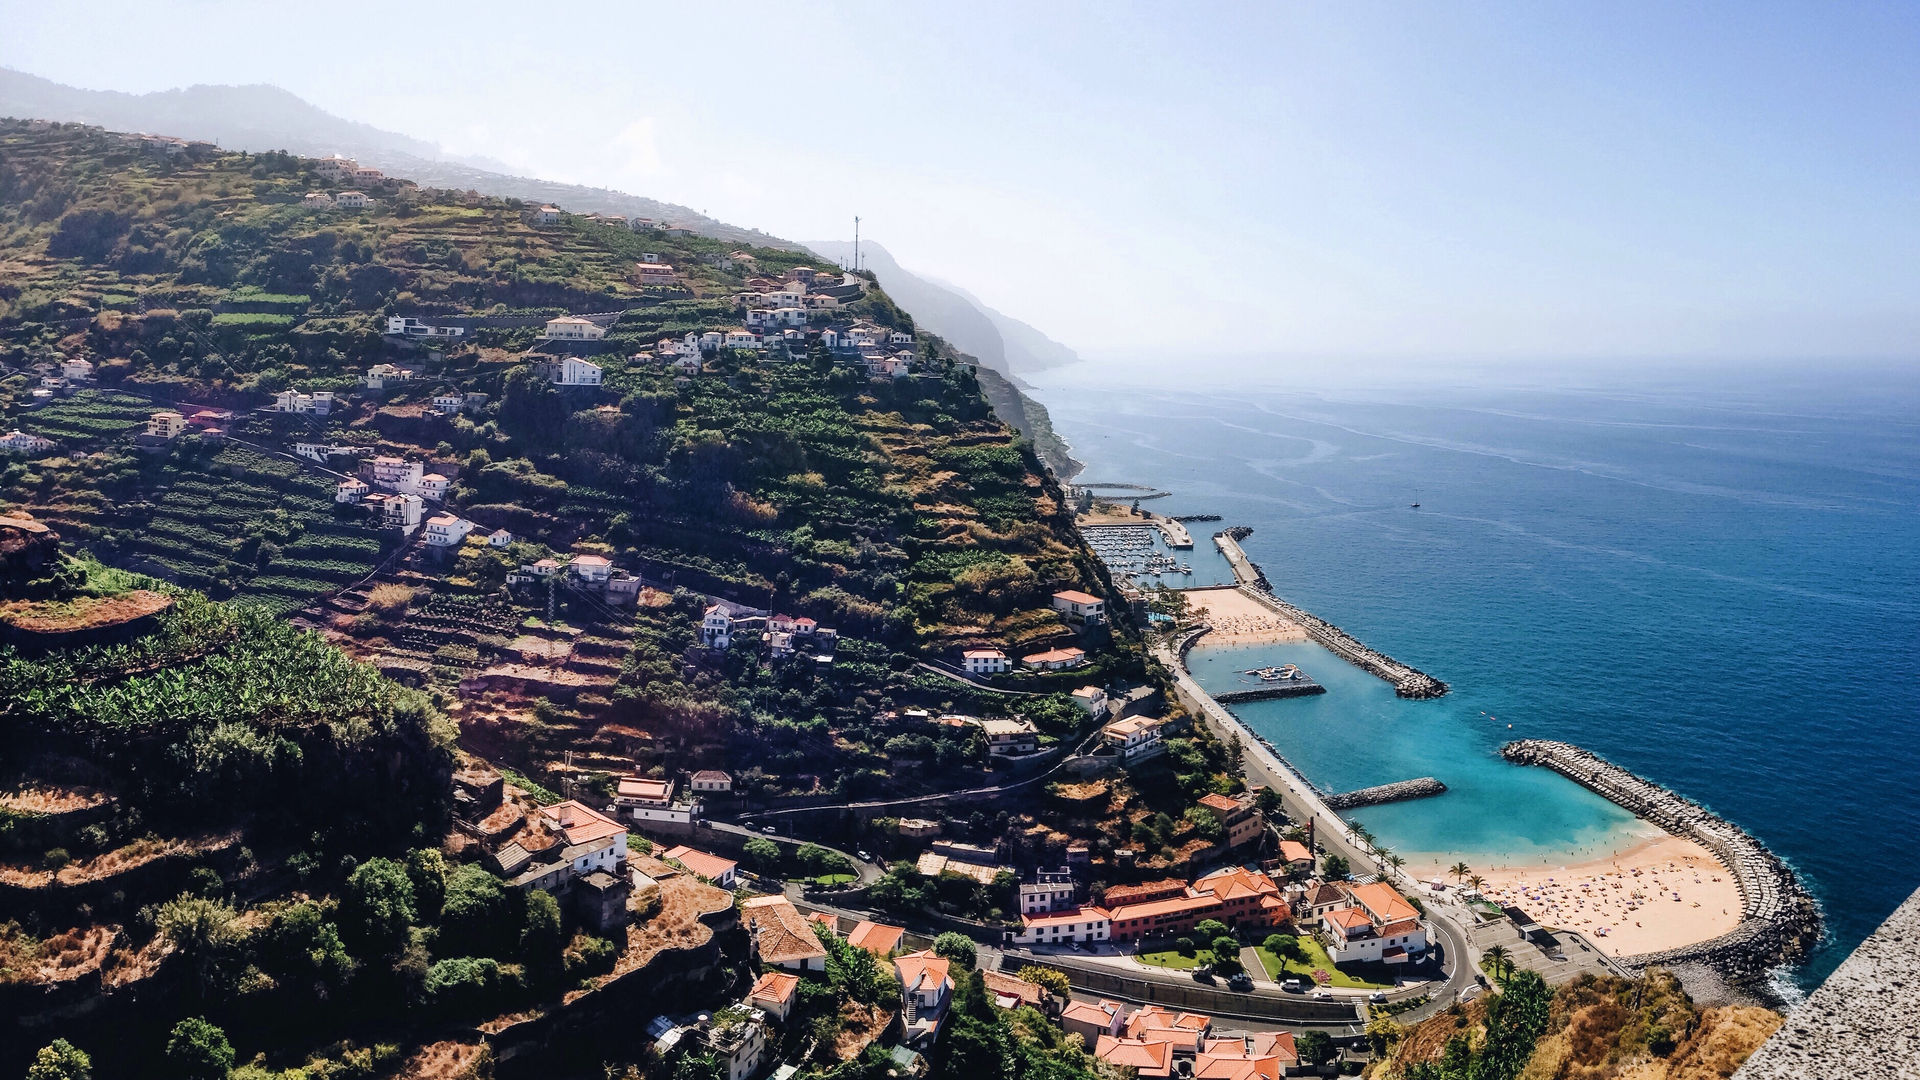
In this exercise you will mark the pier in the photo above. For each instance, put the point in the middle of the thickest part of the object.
(1778, 918)
(1423, 788)
(1408, 682)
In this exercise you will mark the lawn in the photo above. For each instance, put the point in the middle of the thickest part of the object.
(1316, 960)
(829, 880)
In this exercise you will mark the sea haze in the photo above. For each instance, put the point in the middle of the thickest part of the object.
(1709, 577)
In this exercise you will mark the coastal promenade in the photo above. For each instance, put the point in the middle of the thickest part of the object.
(1408, 682)
(1779, 919)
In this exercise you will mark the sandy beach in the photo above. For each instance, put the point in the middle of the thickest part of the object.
(1238, 619)
(1664, 893)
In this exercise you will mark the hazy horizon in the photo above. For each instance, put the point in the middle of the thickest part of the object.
(1501, 183)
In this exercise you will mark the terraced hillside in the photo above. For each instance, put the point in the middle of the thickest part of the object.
(898, 510)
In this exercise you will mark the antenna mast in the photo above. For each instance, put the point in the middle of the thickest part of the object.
(856, 243)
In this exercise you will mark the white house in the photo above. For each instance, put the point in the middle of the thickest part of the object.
(654, 273)
(381, 376)
(19, 442)
(1091, 698)
(574, 328)
(350, 200)
(687, 365)
(317, 200)
(1074, 924)
(1380, 926)
(712, 781)
(547, 215)
(593, 569)
(644, 798)
(900, 337)
(1050, 890)
(76, 370)
(397, 474)
(1079, 607)
(926, 989)
(166, 424)
(318, 403)
(985, 661)
(408, 326)
(716, 628)
(433, 486)
(1137, 737)
(499, 538)
(738, 1039)
(447, 530)
(740, 339)
(1055, 659)
(368, 175)
(449, 404)
(401, 511)
(1008, 736)
(351, 490)
(574, 371)
(333, 168)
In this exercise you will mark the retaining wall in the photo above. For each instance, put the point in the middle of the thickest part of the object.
(1779, 919)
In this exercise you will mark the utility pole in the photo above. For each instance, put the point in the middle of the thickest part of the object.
(856, 243)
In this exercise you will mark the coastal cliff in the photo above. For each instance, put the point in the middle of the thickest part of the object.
(1779, 920)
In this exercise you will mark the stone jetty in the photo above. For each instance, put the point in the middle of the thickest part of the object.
(1421, 788)
(1302, 687)
(1408, 682)
(1779, 920)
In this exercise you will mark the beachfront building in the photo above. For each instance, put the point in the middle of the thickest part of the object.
(1380, 925)
(985, 661)
(1081, 608)
(1082, 925)
(1137, 738)
(1295, 857)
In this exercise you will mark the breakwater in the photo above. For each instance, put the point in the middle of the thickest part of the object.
(1779, 920)
(1408, 681)
(1290, 688)
(1421, 788)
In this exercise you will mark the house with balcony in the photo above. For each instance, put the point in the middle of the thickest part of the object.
(1006, 736)
(1081, 925)
(985, 662)
(19, 442)
(166, 424)
(1092, 1020)
(645, 798)
(351, 490)
(654, 273)
(1055, 659)
(1249, 899)
(573, 371)
(926, 989)
(716, 628)
(1050, 890)
(350, 200)
(1136, 738)
(1379, 926)
(737, 1037)
(574, 328)
(447, 530)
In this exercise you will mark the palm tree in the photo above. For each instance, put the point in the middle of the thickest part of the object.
(1499, 964)
(1396, 862)
(1460, 871)
(1477, 882)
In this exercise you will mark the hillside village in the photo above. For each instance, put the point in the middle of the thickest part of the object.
(738, 694)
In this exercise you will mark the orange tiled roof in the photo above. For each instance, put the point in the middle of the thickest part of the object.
(775, 986)
(1348, 918)
(877, 938)
(782, 935)
(1294, 851)
(1404, 926)
(916, 968)
(711, 867)
(1155, 908)
(1148, 1059)
(1070, 915)
(580, 823)
(1219, 803)
(1131, 894)
(1075, 596)
(1086, 1012)
(1020, 991)
(1383, 903)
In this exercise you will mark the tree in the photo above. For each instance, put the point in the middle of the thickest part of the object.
(1383, 1032)
(1209, 929)
(1048, 979)
(1516, 1018)
(201, 932)
(1460, 871)
(479, 914)
(60, 1060)
(462, 985)
(1268, 802)
(762, 854)
(1498, 962)
(1315, 1047)
(1225, 946)
(541, 941)
(376, 908)
(198, 1050)
(1185, 946)
(699, 1067)
(427, 871)
(956, 947)
(1335, 867)
(1287, 948)
(1477, 882)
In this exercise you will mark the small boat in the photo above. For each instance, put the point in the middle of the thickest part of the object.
(1414, 506)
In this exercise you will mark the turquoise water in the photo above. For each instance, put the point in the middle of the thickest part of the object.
(1713, 580)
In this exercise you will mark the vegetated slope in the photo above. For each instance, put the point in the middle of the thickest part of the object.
(261, 118)
(900, 511)
(1004, 347)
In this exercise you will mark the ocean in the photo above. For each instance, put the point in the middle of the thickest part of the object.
(1708, 576)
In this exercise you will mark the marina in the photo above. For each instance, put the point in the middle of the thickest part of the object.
(1141, 553)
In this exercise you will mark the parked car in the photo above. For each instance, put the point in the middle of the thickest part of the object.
(1203, 973)
(1377, 998)
(864, 857)
(1294, 986)
(770, 830)
(1242, 982)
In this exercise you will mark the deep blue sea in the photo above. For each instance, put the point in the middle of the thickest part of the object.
(1711, 577)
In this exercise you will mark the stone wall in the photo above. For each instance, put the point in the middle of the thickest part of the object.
(1779, 919)
(1863, 1023)
(1424, 787)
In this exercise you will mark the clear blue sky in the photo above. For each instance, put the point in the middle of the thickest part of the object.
(1413, 179)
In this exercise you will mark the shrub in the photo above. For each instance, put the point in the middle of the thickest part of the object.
(197, 1050)
(60, 1060)
(956, 947)
(462, 985)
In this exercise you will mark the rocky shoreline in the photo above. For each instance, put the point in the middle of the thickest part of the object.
(1779, 919)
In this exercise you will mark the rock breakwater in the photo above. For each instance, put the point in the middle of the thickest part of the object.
(1408, 682)
(1779, 920)
(1421, 788)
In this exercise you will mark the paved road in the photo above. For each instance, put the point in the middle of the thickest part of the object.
(868, 873)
